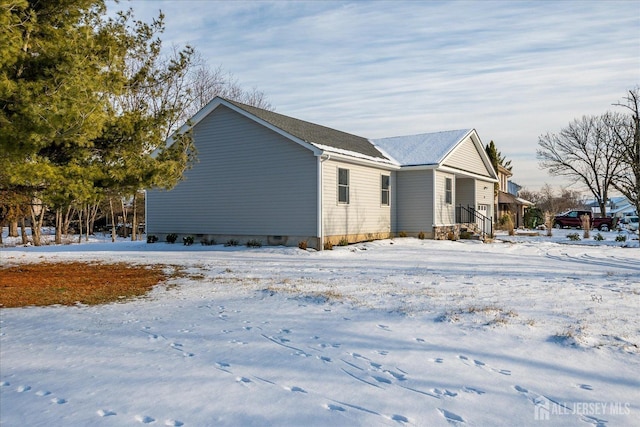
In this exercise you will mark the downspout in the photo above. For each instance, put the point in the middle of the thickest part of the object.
(320, 230)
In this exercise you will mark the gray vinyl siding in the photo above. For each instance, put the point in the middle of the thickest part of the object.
(248, 180)
(414, 198)
(445, 213)
(364, 214)
(465, 192)
(465, 157)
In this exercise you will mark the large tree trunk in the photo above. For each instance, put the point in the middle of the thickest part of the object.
(36, 224)
(13, 228)
(58, 226)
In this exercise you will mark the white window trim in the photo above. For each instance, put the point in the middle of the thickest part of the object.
(342, 185)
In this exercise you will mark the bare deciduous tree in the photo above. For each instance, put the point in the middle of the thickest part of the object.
(627, 180)
(586, 152)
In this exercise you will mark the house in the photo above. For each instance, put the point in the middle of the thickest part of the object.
(508, 201)
(265, 176)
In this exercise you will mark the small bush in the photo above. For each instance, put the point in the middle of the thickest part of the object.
(621, 238)
(599, 237)
(328, 246)
(187, 240)
(171, 238)
(207, 242)
(402, 234)
(466, 235)
(421, 235)
(302, 245)
(253, 243)
(232, 242)
(343, 242)
(152, 239)
(573, 236)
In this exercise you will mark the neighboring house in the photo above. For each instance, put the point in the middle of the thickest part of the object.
(508, 201)
(617, 207)
(269, 177)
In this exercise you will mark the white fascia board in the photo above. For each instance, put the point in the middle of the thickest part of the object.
(465, 173)
(361, 159)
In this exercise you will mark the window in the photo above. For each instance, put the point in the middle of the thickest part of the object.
(448, 198)
(384, 200)
(343, 185)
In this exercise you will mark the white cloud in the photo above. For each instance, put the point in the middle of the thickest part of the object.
(512, 70)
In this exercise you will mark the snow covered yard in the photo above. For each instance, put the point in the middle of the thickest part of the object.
(405, 332)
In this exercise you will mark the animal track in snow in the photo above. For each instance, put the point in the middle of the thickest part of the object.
(58, 401)
(106, 412)
(23, 388)
(43, 393)
(174, 423)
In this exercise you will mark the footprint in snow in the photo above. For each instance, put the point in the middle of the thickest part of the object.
(400, 418)
(520, 389)
(446, 393)
(324, 358)
(58, 401)
(332, 407)
(384, 327)
(585, 386)
(43, 393)
(23, 388)
(438, 360)
(243, 380)
(106, 412)
(145, 419)
(382, 379)
(450, 416)
(174, 423)
(5, 384)
(295, 389)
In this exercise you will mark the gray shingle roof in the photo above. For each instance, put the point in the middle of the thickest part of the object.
(313, 133)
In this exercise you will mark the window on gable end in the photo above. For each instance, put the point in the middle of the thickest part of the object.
(385, 186)
(343, 186)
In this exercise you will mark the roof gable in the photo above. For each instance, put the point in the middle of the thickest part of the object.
(421, 149)
(316, 137)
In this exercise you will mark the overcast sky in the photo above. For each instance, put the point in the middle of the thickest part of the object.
(513, 70)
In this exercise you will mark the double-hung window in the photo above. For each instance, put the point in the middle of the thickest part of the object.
(384, 186)
(343, 186)
(448, 196)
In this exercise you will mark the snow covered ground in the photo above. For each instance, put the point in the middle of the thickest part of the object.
(524, 331)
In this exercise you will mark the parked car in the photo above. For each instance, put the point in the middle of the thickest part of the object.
(574, 219)
(629, 222)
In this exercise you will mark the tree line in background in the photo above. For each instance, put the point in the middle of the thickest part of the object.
(601, 152)
(87, 103)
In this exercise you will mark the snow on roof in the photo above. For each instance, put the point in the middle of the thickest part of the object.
(422, 149)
